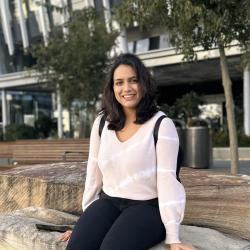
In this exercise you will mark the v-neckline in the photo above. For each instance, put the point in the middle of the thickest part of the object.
(130, 138)
(135, 134)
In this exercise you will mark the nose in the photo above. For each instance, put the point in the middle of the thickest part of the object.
(127, 86)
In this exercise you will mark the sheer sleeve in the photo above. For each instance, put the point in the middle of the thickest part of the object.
(93, 183)
(171, 193)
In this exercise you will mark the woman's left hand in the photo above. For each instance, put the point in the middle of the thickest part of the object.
(65, 236)
(180, 246)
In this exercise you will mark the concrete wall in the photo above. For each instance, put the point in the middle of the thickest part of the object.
(224, 153)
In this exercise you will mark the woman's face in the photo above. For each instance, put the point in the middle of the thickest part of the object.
(127, 89)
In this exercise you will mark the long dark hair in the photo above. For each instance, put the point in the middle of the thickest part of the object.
(112, 110)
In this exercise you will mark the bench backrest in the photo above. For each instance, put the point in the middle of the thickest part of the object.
(6, 149)
(48, 151)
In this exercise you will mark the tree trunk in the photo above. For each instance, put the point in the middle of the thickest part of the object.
(70, 121)
(227, 85)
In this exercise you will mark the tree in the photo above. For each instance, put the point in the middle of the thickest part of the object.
(76, 62)
(185, 108)
(191, 23)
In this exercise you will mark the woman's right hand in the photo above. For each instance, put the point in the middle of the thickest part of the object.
(65, 236)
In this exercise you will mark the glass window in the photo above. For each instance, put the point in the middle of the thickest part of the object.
(26, 107)
(154, 42)
(142, 45)
(131, 47)
(165, 42)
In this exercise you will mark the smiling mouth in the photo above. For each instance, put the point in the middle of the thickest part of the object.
(128, 97)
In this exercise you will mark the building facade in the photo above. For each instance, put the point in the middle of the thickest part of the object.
(29, 22)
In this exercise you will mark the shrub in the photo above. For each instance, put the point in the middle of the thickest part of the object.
(221, 139)
(19, 131)
(244, 141)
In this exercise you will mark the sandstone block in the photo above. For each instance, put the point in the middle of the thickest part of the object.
(57, 186)
(18, 232)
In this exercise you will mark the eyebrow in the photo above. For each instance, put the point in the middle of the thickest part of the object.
(130, 78)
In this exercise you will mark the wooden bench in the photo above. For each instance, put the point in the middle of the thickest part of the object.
(6, 149)
(6, 153)
(48, 151)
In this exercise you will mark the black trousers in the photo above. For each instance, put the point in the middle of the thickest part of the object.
(111, 223)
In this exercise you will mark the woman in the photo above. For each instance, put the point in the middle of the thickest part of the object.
(132, 199)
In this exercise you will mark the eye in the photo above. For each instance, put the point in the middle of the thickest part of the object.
(118, 83)
(135, 80)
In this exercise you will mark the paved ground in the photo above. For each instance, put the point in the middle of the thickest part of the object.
(220, 165)
(224, 165)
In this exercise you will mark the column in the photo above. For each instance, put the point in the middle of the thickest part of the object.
(24, 32)
(89, 3)
(107, 14)
(43, 22)
(4, 111)
(6, 19)
(59, 115)
(246, 98)
(122, 43)
(64, 17)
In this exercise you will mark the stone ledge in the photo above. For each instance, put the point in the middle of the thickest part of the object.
(18, 232)
(223, 153)
(214, 199)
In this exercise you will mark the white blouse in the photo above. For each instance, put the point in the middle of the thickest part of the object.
(136, 169)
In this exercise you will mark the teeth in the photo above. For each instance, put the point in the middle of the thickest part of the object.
(127, 95)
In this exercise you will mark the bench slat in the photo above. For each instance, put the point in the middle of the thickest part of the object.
(41, 151)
